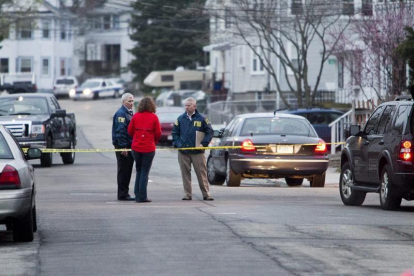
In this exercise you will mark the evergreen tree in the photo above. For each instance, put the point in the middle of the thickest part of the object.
(406, 50)
(168, 34)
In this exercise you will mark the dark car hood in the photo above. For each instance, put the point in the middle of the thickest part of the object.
(278, 139)
(18, 118)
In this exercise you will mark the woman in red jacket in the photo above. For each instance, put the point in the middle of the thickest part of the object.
(145, 130)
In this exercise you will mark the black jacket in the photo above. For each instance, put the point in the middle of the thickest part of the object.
(120, 136)
(184, 132)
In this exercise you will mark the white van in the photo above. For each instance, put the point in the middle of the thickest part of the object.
(63, 85)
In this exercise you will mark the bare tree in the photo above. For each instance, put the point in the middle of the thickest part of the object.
(13, 12)
(369, 51)
(271, 27)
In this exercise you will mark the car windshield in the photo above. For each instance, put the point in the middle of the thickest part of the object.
(278, 126)
(168, 117)
(90, 84)
(5, 152)
(65, 81)
(23, 106)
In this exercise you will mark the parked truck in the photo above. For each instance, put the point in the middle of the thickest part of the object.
(37, 121)
(18, 83)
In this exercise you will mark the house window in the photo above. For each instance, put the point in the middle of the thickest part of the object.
(292, 52)
(62, 66)
(115, 21)
(240, 59)
(46, 29)
(107, 22)
(45, 67)
(69, 67)
(25, 29)
(348, 7)
(4, 65)
(366, 7)
(24, 65)
(340, 73)
(257, 65)
(97, 23)
(227, 19)
(5, 32)
(297, 7)
(63, 31)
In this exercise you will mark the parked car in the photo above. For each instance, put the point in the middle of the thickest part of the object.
(17, 188)
(272, 146)
(167, 117)
(320, 118)
(95, 89)
(62, 86)
(173, 97)
(379, 157)
(121, 85)
(37, 120)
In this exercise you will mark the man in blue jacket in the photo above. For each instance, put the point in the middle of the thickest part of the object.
(184, 136)
(122, 140)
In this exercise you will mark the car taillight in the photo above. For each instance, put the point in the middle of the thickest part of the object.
(405, 151)
(320, 148)
(247, 146)
(9, 177)
(35, 87)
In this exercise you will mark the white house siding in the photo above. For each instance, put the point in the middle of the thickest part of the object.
(38, 48)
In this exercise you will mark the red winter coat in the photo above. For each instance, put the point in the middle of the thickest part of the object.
(145, 130)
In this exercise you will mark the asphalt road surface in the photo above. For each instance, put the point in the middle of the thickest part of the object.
(260, 228)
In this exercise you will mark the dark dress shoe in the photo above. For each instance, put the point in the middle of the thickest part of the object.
(208, 198)
(187, 198)
(128, 198)
(144, 201)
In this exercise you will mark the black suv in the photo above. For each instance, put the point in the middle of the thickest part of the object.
(379, 158)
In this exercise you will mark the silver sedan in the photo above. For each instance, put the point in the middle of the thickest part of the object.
(17, 188)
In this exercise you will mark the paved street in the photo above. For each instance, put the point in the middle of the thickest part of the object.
(260, 228)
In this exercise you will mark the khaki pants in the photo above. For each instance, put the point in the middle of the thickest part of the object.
(200, 168)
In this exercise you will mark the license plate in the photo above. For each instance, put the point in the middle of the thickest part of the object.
(285, 149)
(169, 137)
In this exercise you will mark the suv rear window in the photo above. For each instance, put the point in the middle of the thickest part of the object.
(278, 126)
(65, 81)
(5, 152)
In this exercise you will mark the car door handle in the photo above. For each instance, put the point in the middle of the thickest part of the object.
(381, 142)
(366, 142)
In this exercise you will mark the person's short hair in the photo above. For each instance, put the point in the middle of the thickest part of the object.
(190, 99)
(125, 96)
(147, 104)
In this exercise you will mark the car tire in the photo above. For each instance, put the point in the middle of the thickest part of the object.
(116, 94)
(212, 177)
(95, 96)
(34, 216)
(69, 157)
(389, 200)
(9, 226)
(291, 182)
(23, 228)
(232, 179)
(346, 181)
(47, 158)
(318, 181)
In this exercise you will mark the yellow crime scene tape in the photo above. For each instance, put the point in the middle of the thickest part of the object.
(170, 149)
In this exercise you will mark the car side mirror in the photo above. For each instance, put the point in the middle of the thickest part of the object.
(354, 130)
(33, 153)
(59, 113)
(218, 133)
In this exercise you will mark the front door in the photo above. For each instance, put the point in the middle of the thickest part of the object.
(377, 144)
(361, 153)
